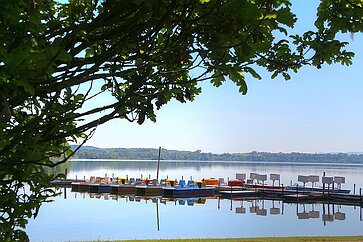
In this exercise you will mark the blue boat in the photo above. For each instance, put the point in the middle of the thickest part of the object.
(188, 190)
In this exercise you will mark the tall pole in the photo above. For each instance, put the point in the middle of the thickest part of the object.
(157, 171)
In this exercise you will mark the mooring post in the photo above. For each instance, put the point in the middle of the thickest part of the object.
(158, 167)
(231, 192)
(354, 189)
(76, 178)
(65, 174)
(323, 184)
(360, 196)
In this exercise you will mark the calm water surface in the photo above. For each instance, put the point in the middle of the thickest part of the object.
(76, 216)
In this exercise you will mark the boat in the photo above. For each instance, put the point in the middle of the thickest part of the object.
(126, 189)
(235, 183)
(211, 181)
(188, 190)
(150, 188)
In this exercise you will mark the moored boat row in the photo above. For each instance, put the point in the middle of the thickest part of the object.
(208, 186)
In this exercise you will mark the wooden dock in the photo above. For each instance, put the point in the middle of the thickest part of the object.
(281, 194)
(235, 194)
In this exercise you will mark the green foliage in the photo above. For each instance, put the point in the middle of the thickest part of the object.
(56, 57)
(89, 152)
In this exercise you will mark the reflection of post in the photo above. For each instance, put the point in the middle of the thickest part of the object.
(324, 214)
(65, 193)
(283, 206)
(157, 214)
(157, 172)
(231, 204)
(219, 202)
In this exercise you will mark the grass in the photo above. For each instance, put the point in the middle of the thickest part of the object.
(271, 239)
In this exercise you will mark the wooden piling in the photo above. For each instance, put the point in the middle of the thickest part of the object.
(157, 171)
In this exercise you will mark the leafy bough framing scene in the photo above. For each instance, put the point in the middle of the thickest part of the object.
(57, 57)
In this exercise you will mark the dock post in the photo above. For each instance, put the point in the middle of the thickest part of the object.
(84, 178)
(76, 178)
(231, 193)
(354, 189)
(323, 184)
(65, 173)
(282, 189)
(360, 196)
(157, 170)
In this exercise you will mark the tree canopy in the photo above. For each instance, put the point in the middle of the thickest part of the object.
(58, 56)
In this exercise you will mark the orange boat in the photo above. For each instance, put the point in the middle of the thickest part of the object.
(210, 181)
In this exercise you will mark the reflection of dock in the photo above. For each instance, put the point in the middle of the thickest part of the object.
(297, 196)
(327, 212)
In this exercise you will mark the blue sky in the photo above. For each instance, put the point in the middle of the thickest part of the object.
(315, 111)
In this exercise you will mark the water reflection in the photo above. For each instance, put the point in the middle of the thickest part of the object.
(328, 212)
(114, 217)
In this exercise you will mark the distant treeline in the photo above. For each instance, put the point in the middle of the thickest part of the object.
(89, 152)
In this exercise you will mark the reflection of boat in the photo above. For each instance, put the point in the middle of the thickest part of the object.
(188, 190)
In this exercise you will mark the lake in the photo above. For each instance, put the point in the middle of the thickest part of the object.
(82, 216)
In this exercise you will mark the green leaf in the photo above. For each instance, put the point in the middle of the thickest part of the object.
(286, 76)
(252, 72)
(274, 75)
(217, 79)
(239, 79)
